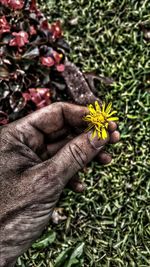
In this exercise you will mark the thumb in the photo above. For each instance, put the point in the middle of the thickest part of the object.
(70, 159)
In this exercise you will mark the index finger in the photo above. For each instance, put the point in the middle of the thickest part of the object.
(56, 116)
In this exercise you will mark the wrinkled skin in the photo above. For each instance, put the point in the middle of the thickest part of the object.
(39, 155)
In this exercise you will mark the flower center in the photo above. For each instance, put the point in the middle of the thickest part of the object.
(99, 118)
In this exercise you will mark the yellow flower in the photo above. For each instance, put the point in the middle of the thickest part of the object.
(98, 119)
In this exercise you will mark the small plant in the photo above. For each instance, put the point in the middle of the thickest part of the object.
(99, 118)
(32, 53)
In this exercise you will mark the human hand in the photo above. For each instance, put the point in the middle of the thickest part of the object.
(39, 154)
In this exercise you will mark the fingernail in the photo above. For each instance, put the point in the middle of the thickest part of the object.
(97, 143)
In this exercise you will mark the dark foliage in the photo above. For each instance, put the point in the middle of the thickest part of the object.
(32, 53)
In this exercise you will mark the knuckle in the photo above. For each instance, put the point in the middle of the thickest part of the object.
(78, 154)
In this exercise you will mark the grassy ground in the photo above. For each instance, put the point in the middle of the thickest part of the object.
(108, 225)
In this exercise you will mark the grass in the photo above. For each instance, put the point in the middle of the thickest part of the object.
(109, 224)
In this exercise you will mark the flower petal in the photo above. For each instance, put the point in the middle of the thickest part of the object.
(90, 126)
(97, 106)
(98, 127)
(106, 125)
(104, 133)
(110, 114)
(103, 107)
(60, 67)
(87, 118)
(91, 109)
(108, 109)
(113, 119)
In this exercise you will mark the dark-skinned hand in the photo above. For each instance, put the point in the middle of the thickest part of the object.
(39, 155)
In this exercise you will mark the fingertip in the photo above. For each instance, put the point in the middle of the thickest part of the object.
(74, 114)
(112, 126)
(104, 158)
(77, 186)
(114, 137)
(97, 143)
